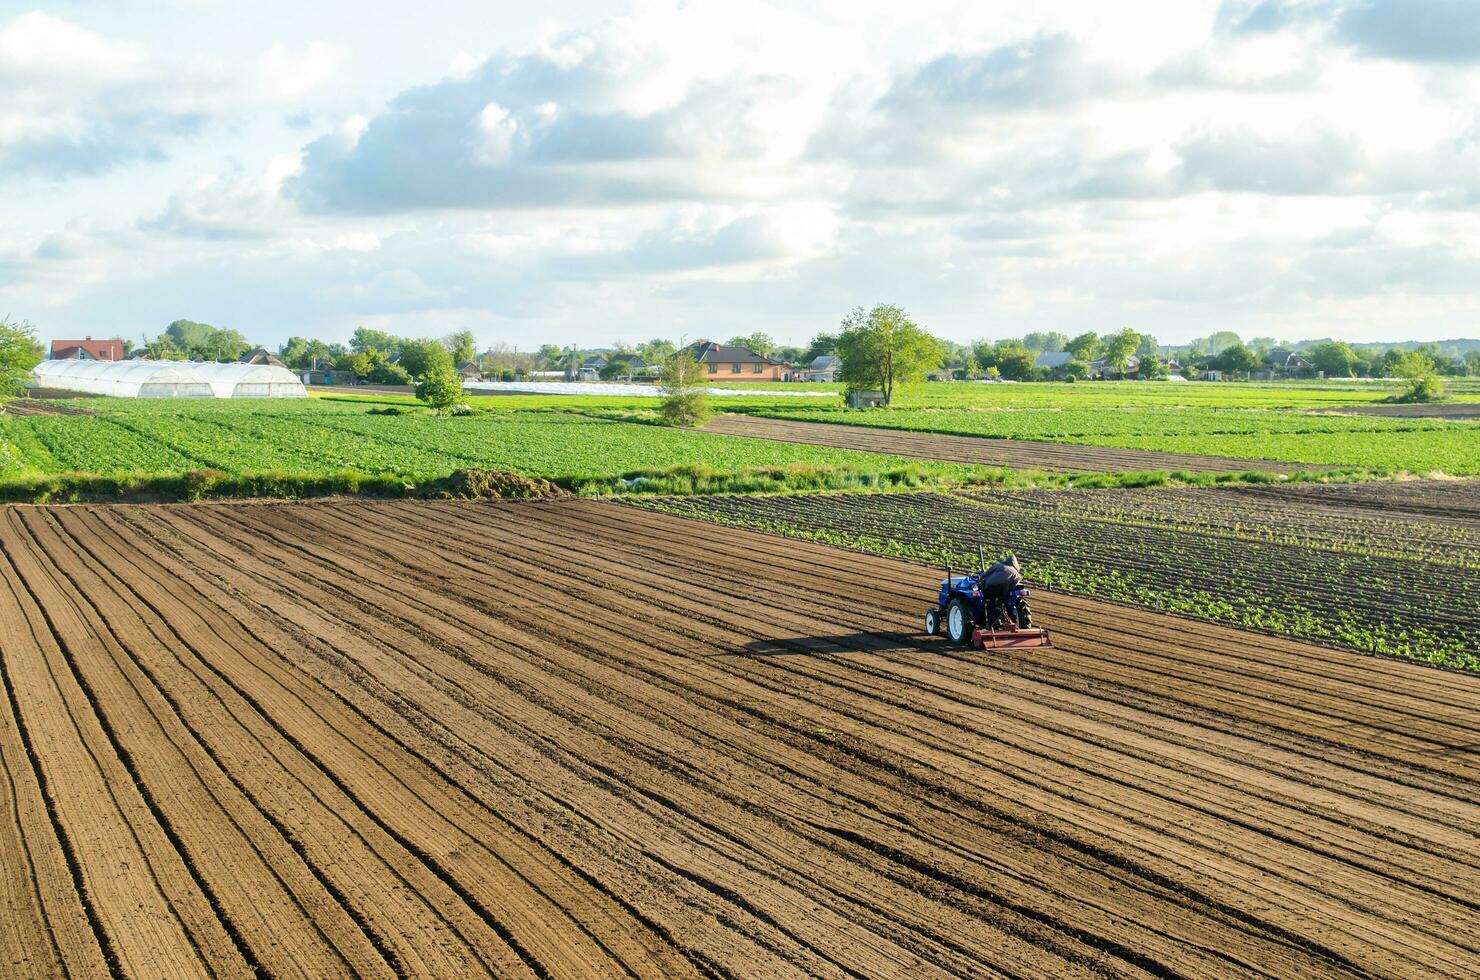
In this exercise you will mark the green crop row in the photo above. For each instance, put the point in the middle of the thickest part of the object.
(315, 436)
(1246, 570)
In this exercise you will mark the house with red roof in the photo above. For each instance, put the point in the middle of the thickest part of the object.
(87, 349)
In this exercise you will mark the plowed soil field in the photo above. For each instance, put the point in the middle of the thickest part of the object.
(1053, 457)
(1437, 410)
(573, 739)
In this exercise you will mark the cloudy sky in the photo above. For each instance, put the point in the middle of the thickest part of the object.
(580, 172)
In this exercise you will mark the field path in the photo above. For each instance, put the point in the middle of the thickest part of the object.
(573, 739)
(1053, 457)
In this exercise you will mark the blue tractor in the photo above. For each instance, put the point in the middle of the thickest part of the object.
(967, 616)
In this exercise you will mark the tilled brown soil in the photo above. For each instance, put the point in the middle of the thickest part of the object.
(1018, 453)
(567, 738)
(43, 405)
(1436, 410)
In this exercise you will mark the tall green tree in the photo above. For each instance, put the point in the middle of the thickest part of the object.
(1050, 341)
(822, 345)
(1015, 360)
(418, 357)
(366, 338)
(1217, 343)
(461, 346)
(882, 349)
(1334, 359)
(1119, 347)
(760, 342)
(188, 335)
(1085, 347)
(1237, 359)
(19, 353)
(656, 351)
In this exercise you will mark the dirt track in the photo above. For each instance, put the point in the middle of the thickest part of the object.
(1054, 457)
(574, 739)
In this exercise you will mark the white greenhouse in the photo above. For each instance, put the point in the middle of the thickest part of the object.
(251, 380)
(168, 379)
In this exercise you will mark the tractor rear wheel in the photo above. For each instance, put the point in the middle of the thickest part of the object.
(932, 621)
(1024, 615)
(960, 623)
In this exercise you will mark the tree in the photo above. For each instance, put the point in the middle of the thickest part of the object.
(189, 335)
(364, 339)
(549, 355)
(1152, 369)
(1015, 361)
(383, 372)
(822, 345)
(418, 357)
(461, 346)
(162, 348)
(615, 369)
(1237, 359)
(656, 351)
(570, 362)
(440, 386)
(1334, 359)
(1048, 342)
(224, 345)
(760, 342)
(359, 364)
(1417, 369)
(1217, 343)
(1085, 347)
(294, 353)
(685, 402)
(19, 353)
(1472, 362)
(883, 348)
(1075, 370)
(1148, 347)
(1119, 347)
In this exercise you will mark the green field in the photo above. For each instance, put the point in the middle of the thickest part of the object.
(1296, 436)
(322, 436)
(593, 444)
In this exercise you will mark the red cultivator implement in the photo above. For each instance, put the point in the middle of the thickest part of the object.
(967, 617)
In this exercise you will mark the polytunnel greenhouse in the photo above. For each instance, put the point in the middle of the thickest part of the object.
(251, 380)
(168, 379)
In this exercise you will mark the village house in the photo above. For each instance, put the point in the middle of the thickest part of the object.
(262, 356)
(87, 349)
(723, 362)
(824, 367)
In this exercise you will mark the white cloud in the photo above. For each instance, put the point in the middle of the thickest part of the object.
(286, 72)
(36, 45)
(994, 169)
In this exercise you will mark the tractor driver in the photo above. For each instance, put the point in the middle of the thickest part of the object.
(1000, 579)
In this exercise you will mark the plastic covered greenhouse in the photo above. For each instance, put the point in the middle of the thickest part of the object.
(168, 379)
(251, 380)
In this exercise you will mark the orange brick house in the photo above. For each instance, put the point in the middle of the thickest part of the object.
(726, 363)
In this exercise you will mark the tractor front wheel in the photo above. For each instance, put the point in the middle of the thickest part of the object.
(932, 621)
(960, 623)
